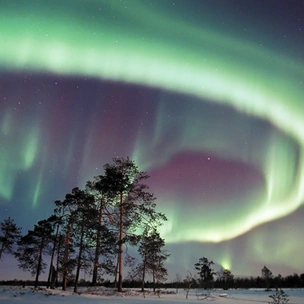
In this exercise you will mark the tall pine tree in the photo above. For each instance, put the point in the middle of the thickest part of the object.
(133, 204)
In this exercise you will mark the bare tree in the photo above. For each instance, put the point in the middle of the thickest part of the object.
(189, 281)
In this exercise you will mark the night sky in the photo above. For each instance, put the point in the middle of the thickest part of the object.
(206, 96)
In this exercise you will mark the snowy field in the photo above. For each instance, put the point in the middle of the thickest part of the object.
(27, 295)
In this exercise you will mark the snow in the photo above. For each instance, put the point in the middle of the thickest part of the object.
(29, 295)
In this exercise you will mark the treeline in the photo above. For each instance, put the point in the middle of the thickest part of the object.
(224, 279)
(206, 278)
(279, 282)
(91, 230)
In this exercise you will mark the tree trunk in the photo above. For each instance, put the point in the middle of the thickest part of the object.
(96, 260)
(97, 249)
(143, 276)
(66, 256)
(39, 265)
(121, 207)
(79, 258)
(52, 258)
(116, 272)
(58, 260)
(154, 285)
(1, 250)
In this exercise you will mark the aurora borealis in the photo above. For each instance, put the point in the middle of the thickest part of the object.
(206, 96)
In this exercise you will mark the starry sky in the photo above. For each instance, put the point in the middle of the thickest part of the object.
(206, 96)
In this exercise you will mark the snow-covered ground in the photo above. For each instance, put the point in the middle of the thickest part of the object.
(28, 295)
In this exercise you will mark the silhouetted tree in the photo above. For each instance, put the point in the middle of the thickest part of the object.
(55, 222)
(205, 271)
(226, 277)
(32, 246)
(84, 217)
(278, 281)
(156, 257)
(104, 242)
(10, 234)
(133, 204)
(189, 282)
(152, 258)
(266, 275)
(66, 262)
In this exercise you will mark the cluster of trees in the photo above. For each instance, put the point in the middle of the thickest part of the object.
(92, 229)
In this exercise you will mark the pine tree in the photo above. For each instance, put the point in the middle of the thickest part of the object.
(83, 229)
(10, 234)
(267, 275)
(56, 221)
(153, 257)
(33, 246)
(226, 277)
(205, 271)
(104, 241)
(133, 204)
(66, 262)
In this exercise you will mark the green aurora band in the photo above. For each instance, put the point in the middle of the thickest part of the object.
(182, 58)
